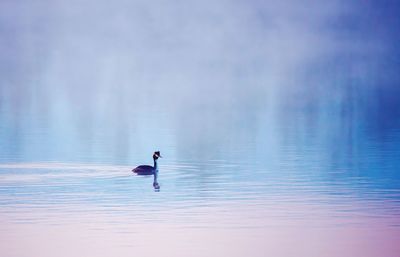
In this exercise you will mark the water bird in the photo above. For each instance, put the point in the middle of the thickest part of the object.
(150, 170)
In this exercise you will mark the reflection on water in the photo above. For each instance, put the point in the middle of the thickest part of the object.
(279, 127)
(257, 188)
(202, 206)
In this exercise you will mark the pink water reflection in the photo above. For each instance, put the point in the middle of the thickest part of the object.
(204, 231)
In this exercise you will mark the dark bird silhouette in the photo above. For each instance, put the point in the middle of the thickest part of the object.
(150, 170)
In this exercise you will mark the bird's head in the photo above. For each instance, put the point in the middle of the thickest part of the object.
(157, 155)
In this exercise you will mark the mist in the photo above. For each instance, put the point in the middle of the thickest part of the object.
(194, 78)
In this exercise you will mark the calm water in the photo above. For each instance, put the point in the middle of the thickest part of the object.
(279, 126)
(284, 192)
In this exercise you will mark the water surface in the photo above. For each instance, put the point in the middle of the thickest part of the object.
(278, 123)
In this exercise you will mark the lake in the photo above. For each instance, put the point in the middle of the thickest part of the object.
(279, 128)
(285, 193)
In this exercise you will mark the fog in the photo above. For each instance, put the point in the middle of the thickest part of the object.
(194, 78)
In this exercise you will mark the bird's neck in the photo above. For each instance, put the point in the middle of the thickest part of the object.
(155, 164)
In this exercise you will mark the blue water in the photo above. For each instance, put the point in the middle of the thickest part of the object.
(241, 176)
(278, 125)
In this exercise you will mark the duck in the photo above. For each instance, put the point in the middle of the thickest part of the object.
(148, 169)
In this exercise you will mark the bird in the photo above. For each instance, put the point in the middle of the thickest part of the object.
(148, 169)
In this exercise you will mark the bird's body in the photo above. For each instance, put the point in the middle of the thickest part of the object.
(144, 170)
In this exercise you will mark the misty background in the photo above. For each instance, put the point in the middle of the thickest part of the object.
(249, 81)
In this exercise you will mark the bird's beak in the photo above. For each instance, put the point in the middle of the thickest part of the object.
(160, 156)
